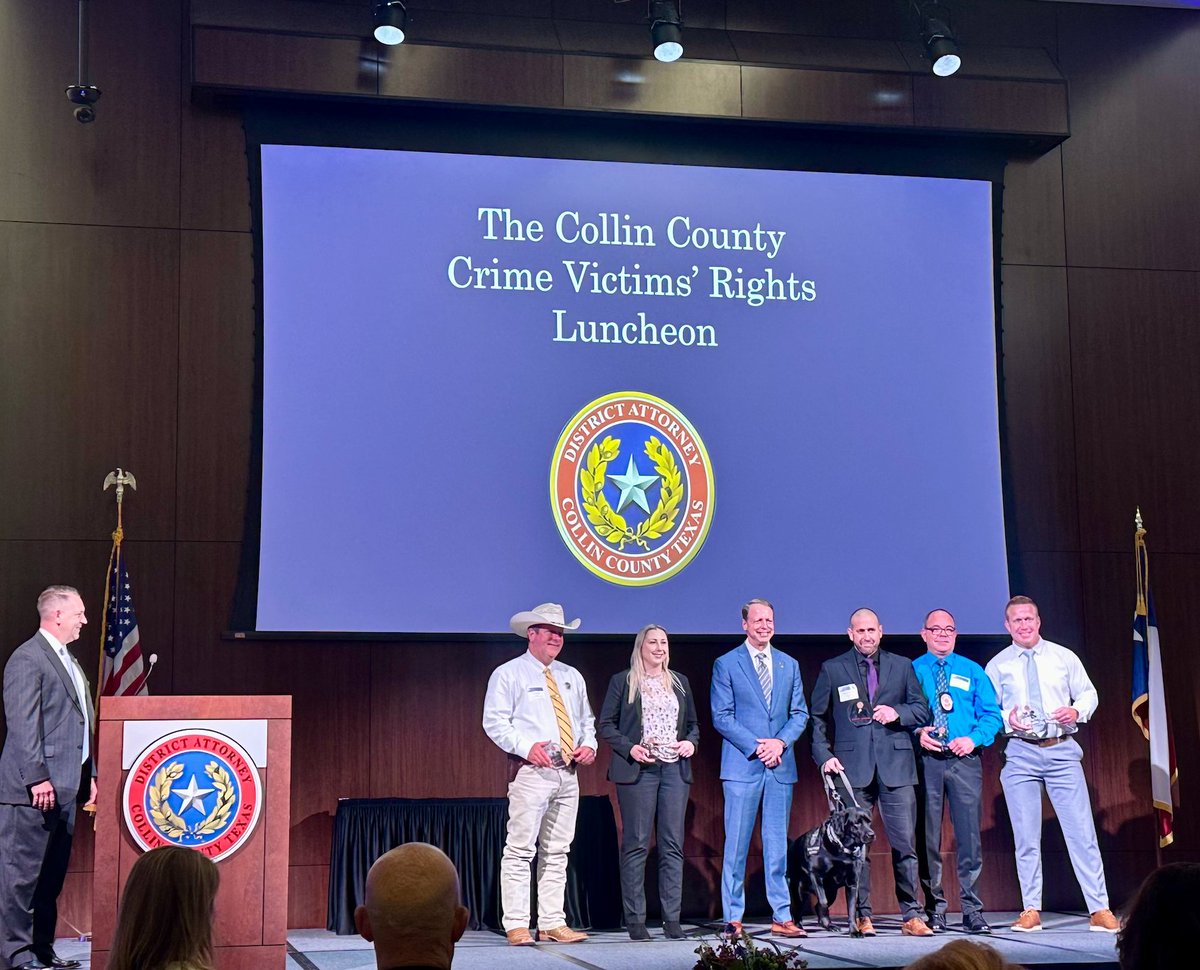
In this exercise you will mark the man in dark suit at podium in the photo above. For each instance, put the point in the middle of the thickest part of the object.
(865, 706)
(45, 769)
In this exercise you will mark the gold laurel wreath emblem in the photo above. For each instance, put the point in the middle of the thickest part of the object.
(172, 825)
(225, 799)
(165, 819)
(610, 525)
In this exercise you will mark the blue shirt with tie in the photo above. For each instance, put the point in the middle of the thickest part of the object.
(976, 713)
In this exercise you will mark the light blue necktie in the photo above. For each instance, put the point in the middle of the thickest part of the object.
(80, 695)
(1033, 685)
(764, 677)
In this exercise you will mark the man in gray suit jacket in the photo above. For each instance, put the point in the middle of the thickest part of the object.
(865, 706)
(45, 769)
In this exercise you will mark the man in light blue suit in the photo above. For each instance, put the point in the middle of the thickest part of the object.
(758, 706)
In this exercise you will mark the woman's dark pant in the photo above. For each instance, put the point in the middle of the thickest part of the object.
(660, 787)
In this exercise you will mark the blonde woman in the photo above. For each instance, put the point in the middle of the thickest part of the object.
(649, 719)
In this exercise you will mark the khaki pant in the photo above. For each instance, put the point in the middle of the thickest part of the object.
(542, 805)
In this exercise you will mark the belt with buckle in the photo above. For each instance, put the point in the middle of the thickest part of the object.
(1043, 742)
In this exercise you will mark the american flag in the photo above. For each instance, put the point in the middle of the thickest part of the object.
(124, 670)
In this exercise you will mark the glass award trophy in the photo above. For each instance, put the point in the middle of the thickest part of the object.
(1038, 724)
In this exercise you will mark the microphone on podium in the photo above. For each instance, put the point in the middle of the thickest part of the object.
(153, 660)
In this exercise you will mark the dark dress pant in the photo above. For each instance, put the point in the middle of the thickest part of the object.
(957, 782)
(660, 789)
(898, 809)
(35, 848)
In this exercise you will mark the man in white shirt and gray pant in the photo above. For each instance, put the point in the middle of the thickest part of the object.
(1044, 692)
(536, 710)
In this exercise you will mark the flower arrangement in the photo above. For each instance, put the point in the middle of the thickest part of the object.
(740, 953)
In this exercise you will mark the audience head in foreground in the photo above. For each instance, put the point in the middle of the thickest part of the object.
(166, 913)
(1163, 922)
(963, 955)
(413, 912)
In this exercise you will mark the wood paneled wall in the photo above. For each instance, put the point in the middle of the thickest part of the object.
(126, 338)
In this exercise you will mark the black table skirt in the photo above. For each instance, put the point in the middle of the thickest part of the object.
(471, 832)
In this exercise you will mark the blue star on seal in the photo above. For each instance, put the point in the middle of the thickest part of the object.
(633, 486)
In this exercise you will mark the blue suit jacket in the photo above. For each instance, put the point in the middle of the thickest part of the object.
(739, 713)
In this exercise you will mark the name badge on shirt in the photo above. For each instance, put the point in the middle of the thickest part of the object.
(848, 692)
(959, 681)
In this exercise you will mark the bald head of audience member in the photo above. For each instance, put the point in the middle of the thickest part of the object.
(413, 913)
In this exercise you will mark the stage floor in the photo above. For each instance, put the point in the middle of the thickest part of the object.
(1065, 940)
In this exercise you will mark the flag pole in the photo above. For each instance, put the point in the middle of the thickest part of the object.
(120, 479)
(1142, 568)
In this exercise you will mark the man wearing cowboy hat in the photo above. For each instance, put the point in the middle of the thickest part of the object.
(536, 710)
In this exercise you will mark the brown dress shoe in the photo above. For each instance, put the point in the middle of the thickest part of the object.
(1103, 921)
(733, 929)
(1028, 922)
(864, 926)
(790, 929)
(520, 937)
(915, 927)
(561, 934)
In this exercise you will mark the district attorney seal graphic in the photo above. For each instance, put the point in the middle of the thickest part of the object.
(631, 486)
(194, 788)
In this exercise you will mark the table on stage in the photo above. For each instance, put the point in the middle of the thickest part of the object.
(471, 832)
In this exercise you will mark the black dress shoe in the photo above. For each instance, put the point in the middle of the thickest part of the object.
(975, 923)
(673, 931)
(52, 961)
(638, 931)
(937, 922)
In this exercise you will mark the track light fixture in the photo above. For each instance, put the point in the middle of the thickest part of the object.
(941, 47)
(666, 30)
(391, 21)
(82, 94)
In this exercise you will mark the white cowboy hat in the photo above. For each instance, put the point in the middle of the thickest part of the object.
(550, 614)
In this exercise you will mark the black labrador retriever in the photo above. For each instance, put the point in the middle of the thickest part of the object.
(827, 857)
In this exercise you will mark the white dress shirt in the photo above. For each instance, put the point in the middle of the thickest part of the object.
(765, 653)
(1063, 681)
(518, 712)
(71, 666)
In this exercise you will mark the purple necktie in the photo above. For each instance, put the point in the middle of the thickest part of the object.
(872, 679)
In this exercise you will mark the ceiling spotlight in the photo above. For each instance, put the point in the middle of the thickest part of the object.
(666, 30)
(941, 48)
(940, 45)
(391, 21)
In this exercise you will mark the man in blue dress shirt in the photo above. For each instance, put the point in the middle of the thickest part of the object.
(966, 718)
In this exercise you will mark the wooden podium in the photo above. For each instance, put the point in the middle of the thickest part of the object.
(250, 929)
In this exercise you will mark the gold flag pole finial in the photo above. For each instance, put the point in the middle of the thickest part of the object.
(1140, 561)
(120, 478)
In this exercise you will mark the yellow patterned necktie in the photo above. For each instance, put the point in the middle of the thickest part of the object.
(566, 735)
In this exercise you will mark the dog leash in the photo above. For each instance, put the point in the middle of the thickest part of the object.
(832, 795)
(834, 798)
